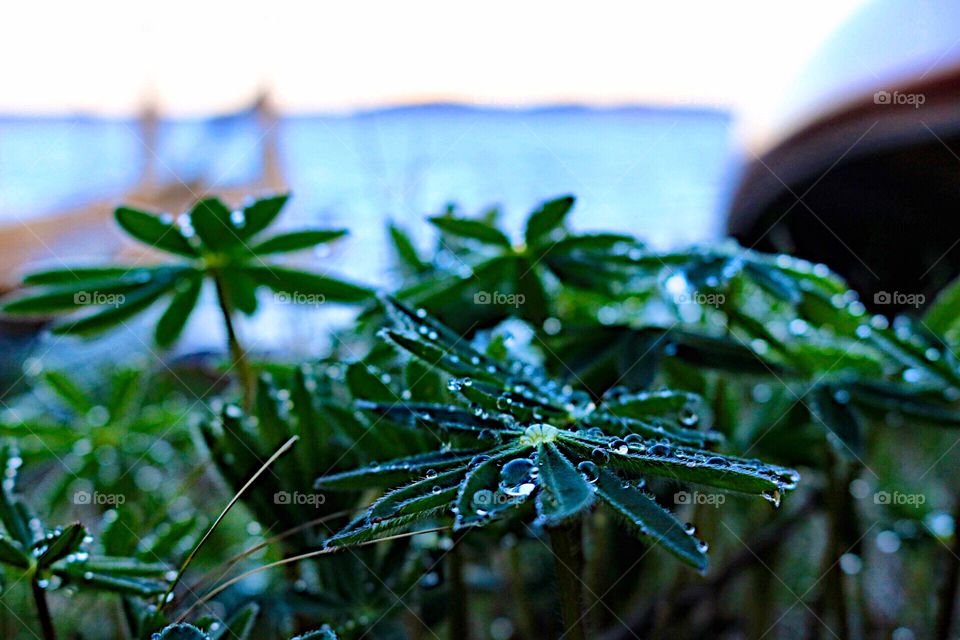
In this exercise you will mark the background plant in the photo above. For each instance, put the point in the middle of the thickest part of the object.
(773, 357)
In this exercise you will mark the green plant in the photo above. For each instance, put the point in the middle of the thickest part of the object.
(478, 264)
(518, 439)
(110, 424)
(52, 558)
(212, 242)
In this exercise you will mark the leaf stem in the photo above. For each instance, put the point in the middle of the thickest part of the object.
(237, 352)
(459, 615)
(568, 561)
(43, 610)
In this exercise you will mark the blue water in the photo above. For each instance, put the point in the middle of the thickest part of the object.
(660, 173)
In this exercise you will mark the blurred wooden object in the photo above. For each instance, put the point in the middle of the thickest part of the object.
(88, 234)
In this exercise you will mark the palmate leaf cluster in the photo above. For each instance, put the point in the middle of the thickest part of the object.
(520, 443)
(476, 258)
(60, 557)
(211, 241)
(617, 312)
(103, 426)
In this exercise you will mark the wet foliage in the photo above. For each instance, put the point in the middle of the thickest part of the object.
(513, 440)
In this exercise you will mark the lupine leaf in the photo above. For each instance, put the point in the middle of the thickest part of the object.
(650, 520)
(394, 471)
(291, 281)
(211, 219)
(546, 218)
(150, 229)
(258, 215)
(471, 229)
(62, 544)
(565, 492)
(296, 240)
(174, 319)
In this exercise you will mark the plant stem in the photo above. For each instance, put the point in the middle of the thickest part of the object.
(237, 352)
(522, 606)
(568, 556)
(459, 618)
(43, 611)
(947, 594)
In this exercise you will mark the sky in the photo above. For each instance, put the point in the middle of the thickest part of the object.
(204, 58)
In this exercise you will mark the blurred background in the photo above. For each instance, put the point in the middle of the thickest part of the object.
(808, 128)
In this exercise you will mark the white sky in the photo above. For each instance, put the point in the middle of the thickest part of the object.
(204, 57)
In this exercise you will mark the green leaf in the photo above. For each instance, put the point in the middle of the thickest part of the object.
(12, 553)
(77, 295)
(479, 498)
(75, 397)
(62, 544)
(152, 230)
(323, 633)
(442, 416)
(914, 403)
(181, 631)
(132, 304)
(295, 283)
(174, 319)
(471, 229)
(75, 274)
(546, 218)
(650, 520)
(13, 517)
(832, 410)
(775, 282)
(535, 304)
(708, 468)
(260, 214)
(210, 218)
(394, 471)
(115, 583)
(435, 355)
(296, 240)
(943, 314)
(406, 252)
(123, 566)
(564, 492)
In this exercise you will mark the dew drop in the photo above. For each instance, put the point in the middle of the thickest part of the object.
(589, 470)
(517, 477)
